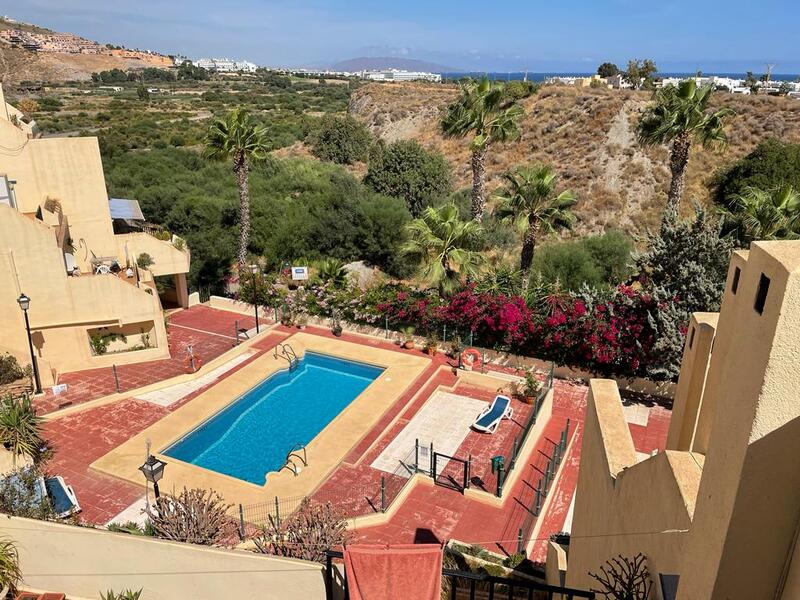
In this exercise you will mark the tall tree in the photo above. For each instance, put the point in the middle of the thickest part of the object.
(758, 214)
(238, 138)
(639, 73)
(678, 116)
(491, 116)
(530, 203)
(607, 69)
(448, 248)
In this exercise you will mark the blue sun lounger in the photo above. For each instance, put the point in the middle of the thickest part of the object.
(65, 503)
(491, 416)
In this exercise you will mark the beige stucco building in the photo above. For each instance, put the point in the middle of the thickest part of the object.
(718, 513)
(58, 246)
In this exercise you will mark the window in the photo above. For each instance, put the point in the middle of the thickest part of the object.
(691, 338)
(761, 294)
(735, 284)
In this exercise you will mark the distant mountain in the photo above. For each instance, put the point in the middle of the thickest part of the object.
(365, 63)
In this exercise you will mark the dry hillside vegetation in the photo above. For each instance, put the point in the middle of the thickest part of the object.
(589, 135)
(18, 65)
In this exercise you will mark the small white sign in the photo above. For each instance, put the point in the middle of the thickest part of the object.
(299, 273)
(59, 389)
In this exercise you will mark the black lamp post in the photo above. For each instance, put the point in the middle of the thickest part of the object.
(254, 271)
(25, 303)
(153, 470)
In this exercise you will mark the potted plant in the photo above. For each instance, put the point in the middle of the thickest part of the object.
(408, 334)
(432, 345)
(302, 321)
(528, 389)
(336, 327)
(455, 347)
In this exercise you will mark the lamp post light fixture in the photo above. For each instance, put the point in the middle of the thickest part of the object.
(25, 303)
(254, 271)
(153, 470)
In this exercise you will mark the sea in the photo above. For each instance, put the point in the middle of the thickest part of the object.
(520, 75)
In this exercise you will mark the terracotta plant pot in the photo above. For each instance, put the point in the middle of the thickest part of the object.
(431, 351)
(409, 344)
(337, 331)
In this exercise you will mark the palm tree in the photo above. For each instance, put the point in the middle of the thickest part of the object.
(530, 203)
(679, 115)
(20, 428)
(485, 111)
(758, 214)
(238, 138)
(447, 247)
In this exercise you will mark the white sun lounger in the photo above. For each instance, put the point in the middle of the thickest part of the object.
(491, 416)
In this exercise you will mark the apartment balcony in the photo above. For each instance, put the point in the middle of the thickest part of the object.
(170, 257)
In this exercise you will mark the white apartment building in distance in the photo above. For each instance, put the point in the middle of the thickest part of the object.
(400, 75)
(226, 65)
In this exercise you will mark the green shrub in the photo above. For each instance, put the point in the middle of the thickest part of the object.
(19, 496)
(772, 164)
(341, 140)
(144, 261)
(123, 595)
(10, 369)
(405, 170)
(602, 260)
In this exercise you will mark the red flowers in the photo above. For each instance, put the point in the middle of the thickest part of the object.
(611, 334)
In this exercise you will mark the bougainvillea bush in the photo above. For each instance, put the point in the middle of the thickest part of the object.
(609, 332)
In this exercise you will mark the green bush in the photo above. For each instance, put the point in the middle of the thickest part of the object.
(341, 140)
(19, 496)
(594, 261)
(405, 170)
(772, 164)
(10, 369)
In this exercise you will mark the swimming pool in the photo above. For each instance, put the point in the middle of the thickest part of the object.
(252, 436)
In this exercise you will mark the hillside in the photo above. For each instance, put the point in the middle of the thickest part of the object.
(589, 136)
(17, 64)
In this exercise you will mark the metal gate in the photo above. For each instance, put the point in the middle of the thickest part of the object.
(450, 471)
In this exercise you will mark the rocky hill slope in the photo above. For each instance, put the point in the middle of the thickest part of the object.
(589, 136)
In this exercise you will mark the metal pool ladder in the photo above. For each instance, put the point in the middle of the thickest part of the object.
(294, 455)
(287, 352)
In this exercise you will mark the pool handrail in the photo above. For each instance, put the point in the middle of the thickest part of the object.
(287, 352)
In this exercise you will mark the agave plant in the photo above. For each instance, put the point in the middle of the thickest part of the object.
(10, 574)
(123, 595)
(21, 428)
(331, 270)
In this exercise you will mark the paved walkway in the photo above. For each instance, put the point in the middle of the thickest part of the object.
(209, 331)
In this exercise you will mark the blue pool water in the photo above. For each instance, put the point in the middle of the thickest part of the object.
(253, 435)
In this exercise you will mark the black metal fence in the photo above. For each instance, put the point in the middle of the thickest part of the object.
(543, 488)
(462, 585)
(353, 499)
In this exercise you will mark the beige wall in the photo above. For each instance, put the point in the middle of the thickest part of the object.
(63, 308)
(724, 517)
(750, 491)
(691, 385)
(622, 507)
(82, 562)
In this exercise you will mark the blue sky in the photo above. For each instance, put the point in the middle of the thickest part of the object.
(557, 35)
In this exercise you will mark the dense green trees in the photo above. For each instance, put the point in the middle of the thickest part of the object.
(404, 169)
(447, 247)
(241, 140)
(529, 203)
(341, 140)
(772, 164)
(300, 209)
(679, 116)
(485, 112)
